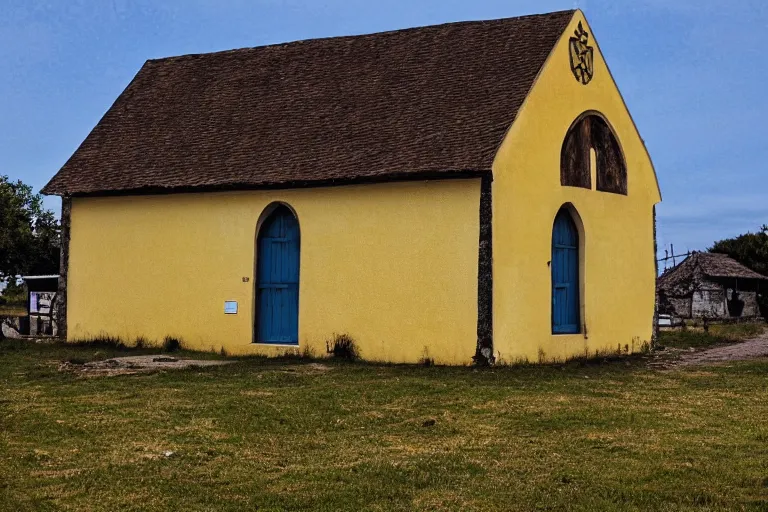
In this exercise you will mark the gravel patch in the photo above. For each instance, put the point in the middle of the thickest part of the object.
(738, 351)
(749, 349)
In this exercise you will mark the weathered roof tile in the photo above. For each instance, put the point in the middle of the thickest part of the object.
(414, 102)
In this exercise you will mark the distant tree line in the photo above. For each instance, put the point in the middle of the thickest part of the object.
(750, 249)
(29, 233)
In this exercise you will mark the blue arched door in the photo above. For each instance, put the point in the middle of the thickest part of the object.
(277, 279)
(565, 275)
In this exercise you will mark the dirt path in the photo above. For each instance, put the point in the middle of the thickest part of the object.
(749, 349)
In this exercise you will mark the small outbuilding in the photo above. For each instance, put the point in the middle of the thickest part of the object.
(711, 286)
(41, 305)
(459, 192)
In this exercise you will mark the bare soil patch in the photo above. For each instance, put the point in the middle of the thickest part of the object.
(137, 364)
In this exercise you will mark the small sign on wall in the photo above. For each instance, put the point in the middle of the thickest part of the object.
(230, 307)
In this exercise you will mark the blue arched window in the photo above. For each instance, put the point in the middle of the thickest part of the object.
(566, 314)
(277, 278)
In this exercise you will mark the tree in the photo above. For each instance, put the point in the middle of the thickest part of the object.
(751, 249)
(29, 234)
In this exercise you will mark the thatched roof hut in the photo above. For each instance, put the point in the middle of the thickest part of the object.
(713, 286)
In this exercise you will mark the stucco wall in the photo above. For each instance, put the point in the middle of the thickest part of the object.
(714, 298)
(681, 307)
(617, 255)
(751, 306)
(393, 265)
(709, 304)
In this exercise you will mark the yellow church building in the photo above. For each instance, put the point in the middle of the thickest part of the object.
(471, 191)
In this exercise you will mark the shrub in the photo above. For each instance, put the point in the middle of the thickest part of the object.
(343, 346)
(104, 341)
(172, 344)
(426, 362)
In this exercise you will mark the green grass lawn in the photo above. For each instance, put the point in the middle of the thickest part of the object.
(288, 435)
(695, 337)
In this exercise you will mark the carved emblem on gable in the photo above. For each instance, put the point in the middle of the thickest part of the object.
(582, 61)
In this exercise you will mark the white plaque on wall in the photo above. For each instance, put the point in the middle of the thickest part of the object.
(230, 307)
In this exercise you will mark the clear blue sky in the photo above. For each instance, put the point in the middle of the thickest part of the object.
(694, 74)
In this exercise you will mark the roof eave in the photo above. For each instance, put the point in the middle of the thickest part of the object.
(231, 187)
(758, 277)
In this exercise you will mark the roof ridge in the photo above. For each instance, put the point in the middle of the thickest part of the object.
(297, 42)
(359, 107)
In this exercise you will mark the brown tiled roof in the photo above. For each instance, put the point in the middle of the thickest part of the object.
(392, 105)
(710, 264)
